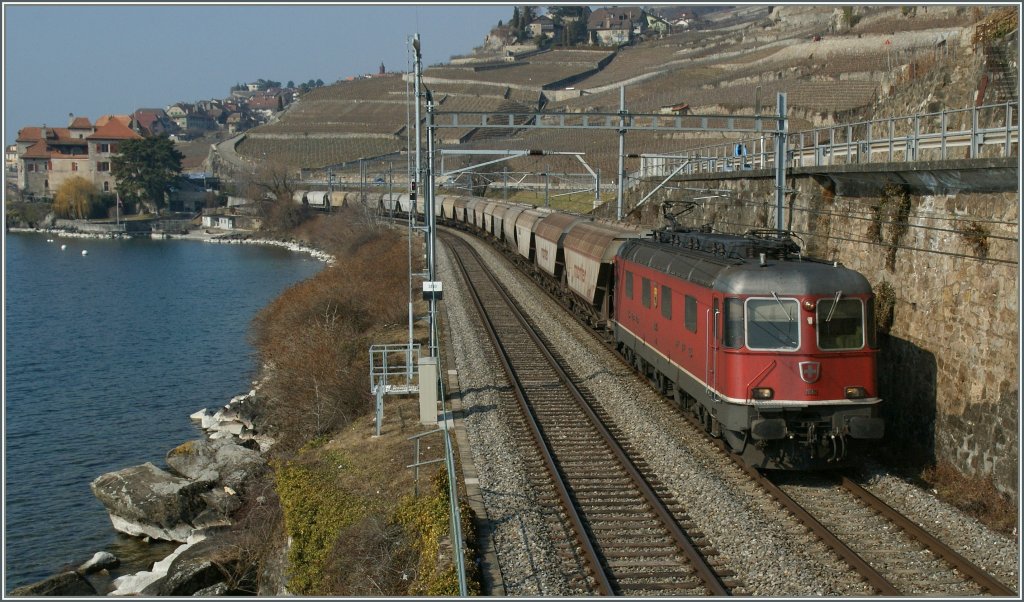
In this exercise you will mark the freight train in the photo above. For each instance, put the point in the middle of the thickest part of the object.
(773, 351)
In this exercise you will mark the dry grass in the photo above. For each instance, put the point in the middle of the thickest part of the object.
(975, 496)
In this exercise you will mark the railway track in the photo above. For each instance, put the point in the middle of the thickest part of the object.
(892, 553)
(889, 551)
(632, 540)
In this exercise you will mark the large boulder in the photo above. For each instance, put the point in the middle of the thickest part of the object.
(201, 567)
(69, 583)
(219, 460)
(147, 501)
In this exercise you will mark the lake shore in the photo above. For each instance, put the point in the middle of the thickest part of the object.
(208, 235)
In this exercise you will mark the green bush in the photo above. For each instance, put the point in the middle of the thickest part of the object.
(316, 509)
(426, 519)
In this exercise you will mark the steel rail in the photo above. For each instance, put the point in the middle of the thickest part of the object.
(971, 570)
(706, 573)
(597, 568)
(872, 576)
(697, 560)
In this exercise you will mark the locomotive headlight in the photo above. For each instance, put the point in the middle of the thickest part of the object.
(856, 392)
(809, 304)
(762, 393)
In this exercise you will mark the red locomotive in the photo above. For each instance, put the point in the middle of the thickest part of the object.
(773, 351)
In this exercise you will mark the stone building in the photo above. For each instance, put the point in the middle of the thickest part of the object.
(47, 157)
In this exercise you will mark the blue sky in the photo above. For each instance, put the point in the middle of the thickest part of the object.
(92, 60)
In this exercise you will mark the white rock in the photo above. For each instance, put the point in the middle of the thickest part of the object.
(98, 562)
(200, 414)
(179, 532)
(130, 585)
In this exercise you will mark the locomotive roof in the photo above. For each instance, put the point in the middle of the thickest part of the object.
(786, 273)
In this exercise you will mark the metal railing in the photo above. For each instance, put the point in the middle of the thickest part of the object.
(395, 368)
(990, 131)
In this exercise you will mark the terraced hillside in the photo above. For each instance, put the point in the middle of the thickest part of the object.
(830, 71)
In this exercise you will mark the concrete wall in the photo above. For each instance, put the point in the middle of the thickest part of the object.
(949, 363)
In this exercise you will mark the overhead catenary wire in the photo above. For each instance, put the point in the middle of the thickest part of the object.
(831, 236)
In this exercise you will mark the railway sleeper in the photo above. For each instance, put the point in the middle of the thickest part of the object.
(633, 563)
(672, 579)
(640, 552)
(638, 589)
(627, 526)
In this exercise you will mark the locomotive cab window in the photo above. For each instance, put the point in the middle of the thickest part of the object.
(629, 284)
(645, 292)
(666, 303)
(773, 323)
(840, 324)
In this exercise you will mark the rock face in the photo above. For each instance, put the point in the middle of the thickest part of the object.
(147, 501)
(222, 461)
(64, 584)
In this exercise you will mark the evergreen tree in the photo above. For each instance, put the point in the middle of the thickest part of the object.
(145, 168)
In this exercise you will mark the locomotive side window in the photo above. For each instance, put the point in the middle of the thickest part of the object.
(629, 284)
(666, 303)
(645, 292)
(690, 313)
(840, 324)
(772, 323)
(733, 323)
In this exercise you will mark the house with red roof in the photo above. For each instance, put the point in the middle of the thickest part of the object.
(153, 122)
(47, 157)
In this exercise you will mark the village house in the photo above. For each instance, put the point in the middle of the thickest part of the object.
(542, 26)
(153, 122)
(238, 122)
(11, 158)
(616, 25)
(47, 157)
(177, 113)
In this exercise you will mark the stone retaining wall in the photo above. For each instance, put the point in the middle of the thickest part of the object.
(949, 366)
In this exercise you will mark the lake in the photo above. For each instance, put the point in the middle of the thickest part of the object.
(106, 355)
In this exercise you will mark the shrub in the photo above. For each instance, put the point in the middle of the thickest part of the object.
(426, 519)
(316, 509)
(315, 337)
